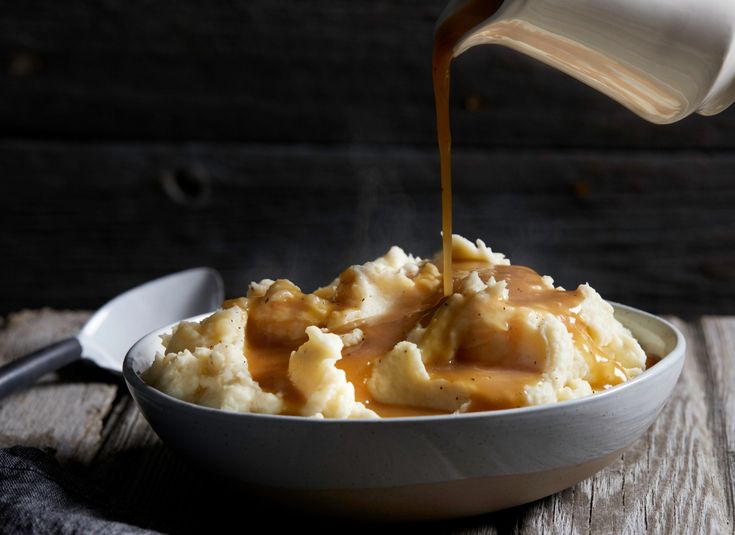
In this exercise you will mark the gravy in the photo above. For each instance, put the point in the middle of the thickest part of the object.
(499, 384)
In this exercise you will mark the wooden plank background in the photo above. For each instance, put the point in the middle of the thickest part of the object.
(140, 137)
(302, 72)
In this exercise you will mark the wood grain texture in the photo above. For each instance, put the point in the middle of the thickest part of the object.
(27, 331)
(65, 417)
(719, 334)
(304, 72)
(676, 479)
(685, 470)
(636, 226)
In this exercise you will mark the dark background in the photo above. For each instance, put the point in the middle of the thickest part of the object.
(273, 139)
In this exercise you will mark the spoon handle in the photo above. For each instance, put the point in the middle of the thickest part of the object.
(27, 370)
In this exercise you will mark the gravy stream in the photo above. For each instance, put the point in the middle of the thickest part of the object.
(446, 36)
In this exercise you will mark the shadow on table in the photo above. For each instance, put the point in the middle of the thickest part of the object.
(152, 487)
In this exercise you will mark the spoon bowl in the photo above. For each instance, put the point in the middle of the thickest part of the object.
(111, 330)
(109, 333)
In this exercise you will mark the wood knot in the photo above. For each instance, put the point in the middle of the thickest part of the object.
(190, 186)
(473, 103)
(23, 64)
(581, 189)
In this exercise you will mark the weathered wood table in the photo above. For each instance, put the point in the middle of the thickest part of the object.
(677, 479)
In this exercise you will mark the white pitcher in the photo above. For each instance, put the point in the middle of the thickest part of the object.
(662, 59)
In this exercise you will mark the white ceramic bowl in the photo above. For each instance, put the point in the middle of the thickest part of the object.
(418, 467)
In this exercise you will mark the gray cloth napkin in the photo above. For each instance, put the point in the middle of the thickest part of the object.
(37, 495)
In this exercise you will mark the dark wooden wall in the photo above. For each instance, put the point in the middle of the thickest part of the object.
(289, 139)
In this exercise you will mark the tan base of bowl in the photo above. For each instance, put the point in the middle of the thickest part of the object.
(440, 500)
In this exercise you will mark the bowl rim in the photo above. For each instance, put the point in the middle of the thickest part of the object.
(672, 359)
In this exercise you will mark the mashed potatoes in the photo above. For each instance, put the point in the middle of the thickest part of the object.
(382, 340)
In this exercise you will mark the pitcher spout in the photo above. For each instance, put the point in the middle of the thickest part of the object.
(661, 59)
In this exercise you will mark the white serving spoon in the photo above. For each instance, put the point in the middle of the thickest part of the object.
(114, 328)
